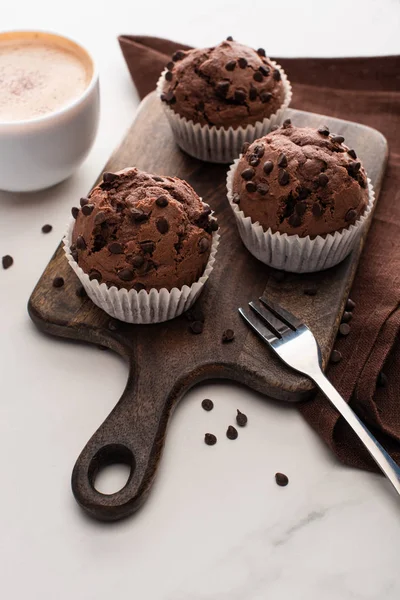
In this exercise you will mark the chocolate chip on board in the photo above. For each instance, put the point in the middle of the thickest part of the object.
(207, 404)
(281, 479)
(350, 304)
(344, 329)
(196, 327)
(347, 316)
(7, 261)
(228, 336)
(210, 439)
(231, 433)
(58, 282)
(241, 418)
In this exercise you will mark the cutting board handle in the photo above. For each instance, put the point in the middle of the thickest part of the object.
(132, 434)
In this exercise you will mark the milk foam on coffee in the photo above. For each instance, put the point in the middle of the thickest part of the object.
(39, 76)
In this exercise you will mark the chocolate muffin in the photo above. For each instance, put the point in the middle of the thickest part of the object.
(142, 231)
(300, 181)
(229, 85)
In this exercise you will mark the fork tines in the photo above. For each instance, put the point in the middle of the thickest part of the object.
(272, 321)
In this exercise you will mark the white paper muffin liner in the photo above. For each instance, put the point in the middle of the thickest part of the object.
(291, 252)
(216, 144)
(141, 307)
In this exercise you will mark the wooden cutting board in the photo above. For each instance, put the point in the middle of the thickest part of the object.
(167, 359)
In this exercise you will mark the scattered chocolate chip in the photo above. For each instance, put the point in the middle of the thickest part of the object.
(248, 173)
(350, 304)
(196, 327)
(324, 130)
(230, 66)
(195, 314)
(258, 76)
(268, 166)
(222, 88)
(339, 139)
(277, 75)
(7, 261)
(58, 282)
(316, 209)
(81, 292)
(352, 153)
(239, 96)
(94, 274)
(138, 287)
(228, 336)
(264, 70)
(312, 290)
(203, 245)
(162, 225)
(347, 316)
(126, 274)
(80, 243)
(245, 147)
(87, 209)
(138, 215)
(251, 187)
(283, 177)
(236, 198)
(148, 247)
(294, 220)
(178, 55)
(263, 189)
(169, 76)
(265, 97)
(336, 356)
(254, 160)
(210, 439)
(46, 228)
(115, 248)
(282, 161)
(229, 38)
(350, 215)
(75, 211)
(281, 479)
(253, 94)
(241, 419)
(382, 380)
(100, 218)
(113, 325)
(231, 433)
(322, 179)
(261, 52)
(170, 65)
(110, 177)
(84, 201)
(344, 329)
(207, 404)
(242, 62)
(300, 208)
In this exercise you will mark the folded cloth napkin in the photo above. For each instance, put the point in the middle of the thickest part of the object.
(366, 90)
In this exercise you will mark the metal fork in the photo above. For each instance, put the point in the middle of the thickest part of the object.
(296, 346)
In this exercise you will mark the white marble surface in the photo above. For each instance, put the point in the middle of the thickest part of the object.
(216, 525)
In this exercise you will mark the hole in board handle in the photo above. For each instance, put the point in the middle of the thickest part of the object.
(111, 469)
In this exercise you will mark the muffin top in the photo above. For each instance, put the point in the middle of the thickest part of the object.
(300, 181)
(229, 85)
(142, 231)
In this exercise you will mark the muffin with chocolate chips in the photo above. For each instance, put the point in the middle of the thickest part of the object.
(300, 198)
(217, 98)
(148, 238)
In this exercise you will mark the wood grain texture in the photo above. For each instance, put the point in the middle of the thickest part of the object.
(135, 430)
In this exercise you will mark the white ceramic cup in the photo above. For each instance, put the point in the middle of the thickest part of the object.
(40, 152)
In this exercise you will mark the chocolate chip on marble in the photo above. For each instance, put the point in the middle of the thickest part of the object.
(80, 292)
(196, 327)
(300, 208)
(222, 88)
(264, 70)
(95, 274)
(58, 282)
(115, 248)
(347, 316)
(277, 75)
(261, 52)
(350, 304)
(230, 66)
(138, 287)
(294, 220)
(248, 173)
(148, 247)
(281, 479)
(263, 189)
(240, 96)
(282, 161)
(169, 76)
(245, 147)
(207, 404)
(162, 201)
(229, 38)
(126, 274)
(251, 187)
(162, 225)
(382, 380)
(242, 62)
(339, 139)
(316, 209)
(100, 218)
(236, 198)
(110, 177)
(210, 439)
(268, 166)
(80, 243)
(47, 228)
(87, 209)
(350, 215)
(322, 179)
(352, 153)
(203, 245)
(241, 418)
(228, 336)
(138, 215)
(324, 130)
(286, 123)
(178, 55)
(170, 65)
(84, 201)
(283, 177)
(265, 97)
(311, 290)
(258, 76)
(232, 433)
(335, 357)
(75, 211)
(344, 329)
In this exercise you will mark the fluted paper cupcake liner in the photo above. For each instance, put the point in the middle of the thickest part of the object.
(292, 252)
(216, 144)
(141, 307)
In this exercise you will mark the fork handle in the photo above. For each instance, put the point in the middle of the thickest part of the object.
(378, 453)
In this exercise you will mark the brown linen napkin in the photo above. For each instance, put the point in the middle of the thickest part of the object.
(366, 90)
